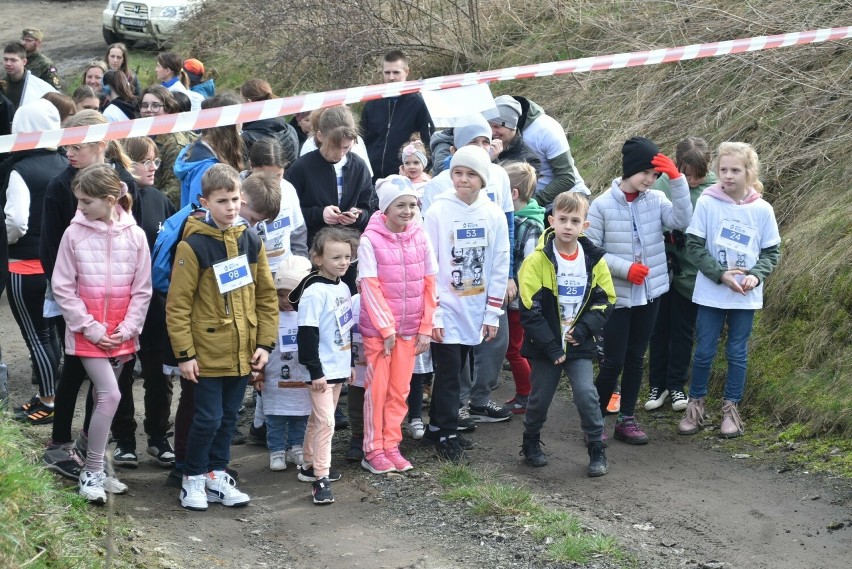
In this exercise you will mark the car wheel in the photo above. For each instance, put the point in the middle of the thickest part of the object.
(110, 37)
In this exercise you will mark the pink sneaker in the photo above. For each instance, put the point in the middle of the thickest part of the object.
(399, 461)
(628, 431)
(377, 462)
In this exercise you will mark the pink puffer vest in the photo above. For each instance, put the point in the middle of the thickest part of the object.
(401, 266)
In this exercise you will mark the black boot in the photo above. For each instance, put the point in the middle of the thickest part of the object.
(597, 459)
(531, 449)
(356, 449)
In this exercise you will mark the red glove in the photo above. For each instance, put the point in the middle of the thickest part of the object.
(664, 165)
(638, 271)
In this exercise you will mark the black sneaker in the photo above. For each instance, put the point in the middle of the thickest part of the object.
(490, 413)
(23, 407)
(322, 491)
(465, 442)
(531, 450)
(306, 474)
(466, 422)
(355, 452)
(238, 438)
(174, 479)
(161, 449)
(36, 414)
(257, 435)
(341, 421)
(64, 460)
(125, 455)
(451, 449)
(597, 459)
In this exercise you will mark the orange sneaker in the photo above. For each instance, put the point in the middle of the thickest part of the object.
(614, 405)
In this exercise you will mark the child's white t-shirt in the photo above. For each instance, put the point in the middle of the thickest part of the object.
(571, 281)
(284, 389)
(329, 307)
(276, 233)
(734, 236)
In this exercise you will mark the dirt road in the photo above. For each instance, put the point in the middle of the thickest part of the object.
(677, 502)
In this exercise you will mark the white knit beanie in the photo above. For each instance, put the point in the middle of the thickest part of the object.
(475, 158)
(389, 189)
(291, 270)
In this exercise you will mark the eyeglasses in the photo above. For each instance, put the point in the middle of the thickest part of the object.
(150, 106)
(75, 147)
(147, 164)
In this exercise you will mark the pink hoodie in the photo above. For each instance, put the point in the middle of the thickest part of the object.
(102, 282)
(716, 191)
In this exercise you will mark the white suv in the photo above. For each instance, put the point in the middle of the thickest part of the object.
(131, 20)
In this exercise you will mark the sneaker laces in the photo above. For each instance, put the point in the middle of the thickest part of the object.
(654, 394)
(464, 412)
(729, 409)
(694, 412)
(493, 406)
(678, 396)
(630, 426)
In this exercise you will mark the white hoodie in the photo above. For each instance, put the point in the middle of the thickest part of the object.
(471, 281)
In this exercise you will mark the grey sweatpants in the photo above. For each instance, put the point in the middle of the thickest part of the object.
(545, 378)
(487, 362)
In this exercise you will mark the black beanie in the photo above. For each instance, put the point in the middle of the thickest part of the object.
(636, 155)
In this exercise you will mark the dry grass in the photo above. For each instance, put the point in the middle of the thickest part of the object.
(793, 104)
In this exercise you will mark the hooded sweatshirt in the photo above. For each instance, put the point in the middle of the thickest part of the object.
(529, 225)
(102, 282)
(727, 235)
(471, 243)
(190, 165)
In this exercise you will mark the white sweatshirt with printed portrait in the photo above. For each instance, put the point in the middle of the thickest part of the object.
(471, 281)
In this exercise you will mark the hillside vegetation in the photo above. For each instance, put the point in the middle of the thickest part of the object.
(793, 104)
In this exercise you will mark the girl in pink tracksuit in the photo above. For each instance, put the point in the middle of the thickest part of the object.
(102, 283)
(396, 268)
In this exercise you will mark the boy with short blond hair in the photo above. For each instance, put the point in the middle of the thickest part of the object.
(221, 317)
(566, 295)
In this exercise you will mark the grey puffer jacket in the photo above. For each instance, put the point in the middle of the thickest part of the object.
(611, 227)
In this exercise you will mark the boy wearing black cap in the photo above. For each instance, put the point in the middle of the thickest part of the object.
(627, 221)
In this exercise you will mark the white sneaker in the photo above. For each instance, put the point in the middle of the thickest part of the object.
(679, 400)
(656, 398)
(192, 495)
(278, 460)
(113, 485)
(223, 489)
(295, 454)
(416, 428)
(92, 486)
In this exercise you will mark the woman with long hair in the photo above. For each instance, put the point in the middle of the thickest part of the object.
(171, 75)
(122, 101)
(117, 59)
(157, 101)
(220, 144)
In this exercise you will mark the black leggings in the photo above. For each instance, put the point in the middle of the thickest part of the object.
(26, 299)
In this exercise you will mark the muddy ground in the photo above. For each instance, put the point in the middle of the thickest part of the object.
(677, 502)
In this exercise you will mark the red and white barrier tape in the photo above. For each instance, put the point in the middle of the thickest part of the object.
(249, 112)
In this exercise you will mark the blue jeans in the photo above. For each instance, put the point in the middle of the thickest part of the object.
(217, 402)
(708, 329)
(281, 427)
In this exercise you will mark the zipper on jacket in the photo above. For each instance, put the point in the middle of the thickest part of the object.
(387, 132)
(404, 283)
(108, 275)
